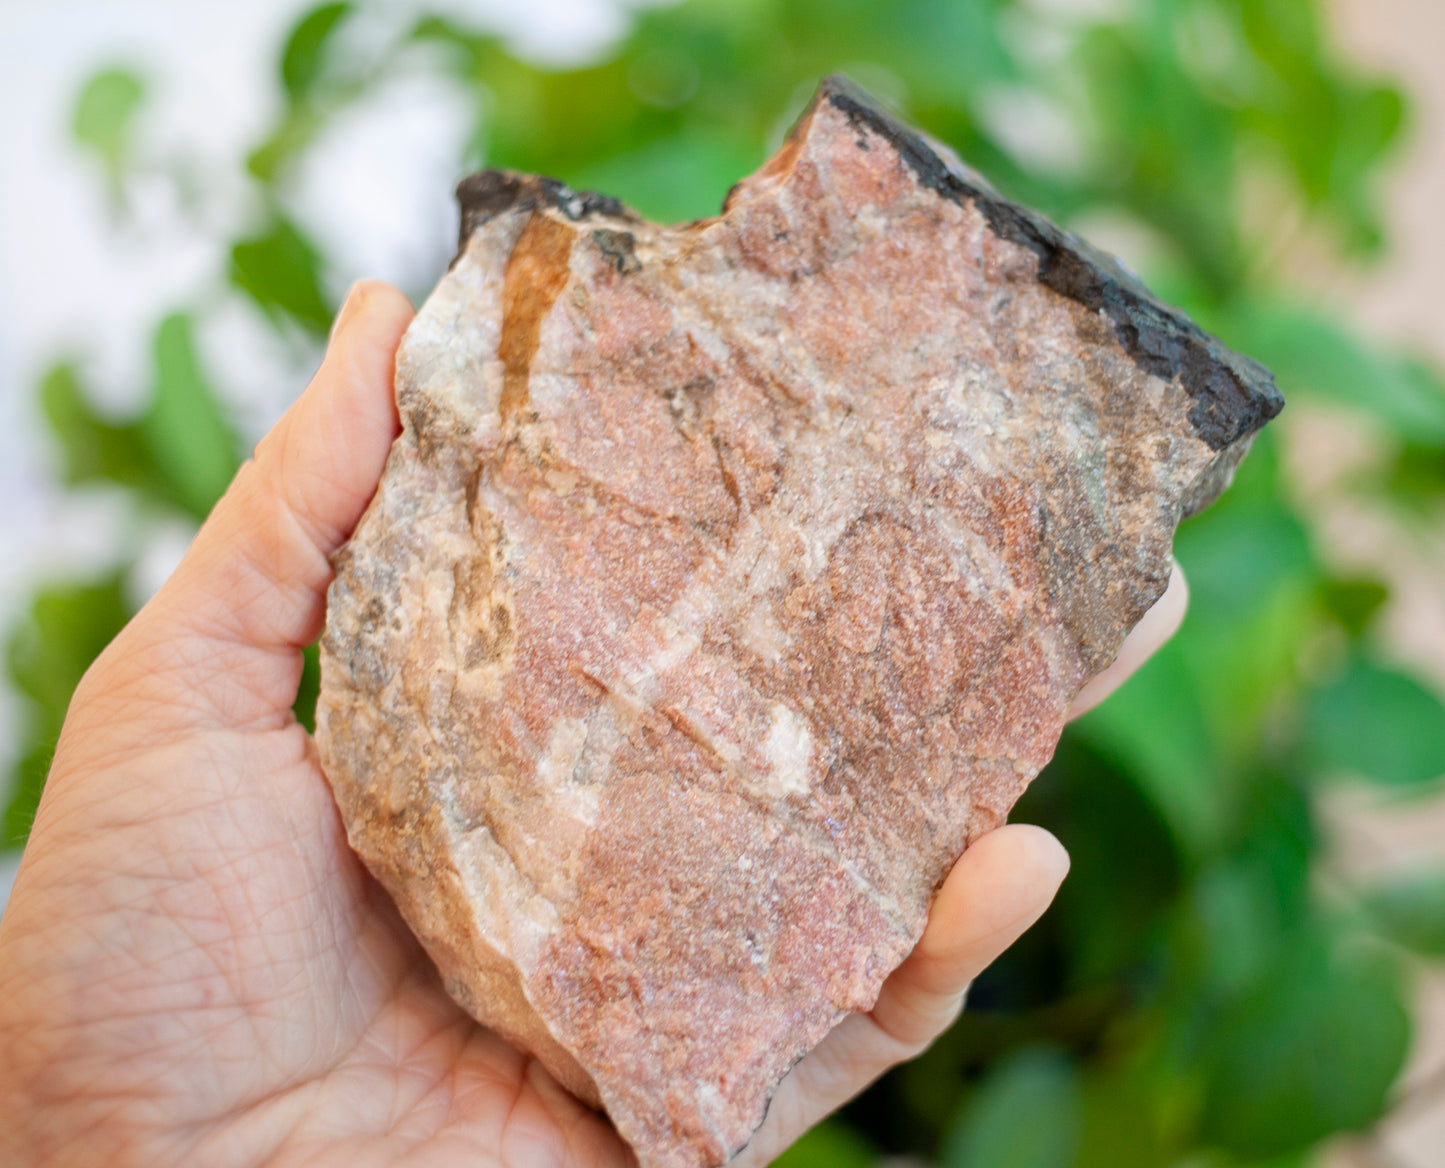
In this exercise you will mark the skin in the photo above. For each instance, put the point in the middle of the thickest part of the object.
(194, 967)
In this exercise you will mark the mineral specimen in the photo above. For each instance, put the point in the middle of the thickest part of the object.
(728, 578)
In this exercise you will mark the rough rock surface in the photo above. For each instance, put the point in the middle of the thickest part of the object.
(728, 578)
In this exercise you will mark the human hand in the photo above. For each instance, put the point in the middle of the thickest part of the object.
(195, 968)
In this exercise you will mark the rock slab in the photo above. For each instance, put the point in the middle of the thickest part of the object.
(728, 578)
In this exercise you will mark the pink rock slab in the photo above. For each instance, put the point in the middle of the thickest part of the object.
(728, 578)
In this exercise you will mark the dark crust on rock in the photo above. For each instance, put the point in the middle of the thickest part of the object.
(486, 195)
(1233, 395)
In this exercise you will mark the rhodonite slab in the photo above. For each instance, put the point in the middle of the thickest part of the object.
(728, 578)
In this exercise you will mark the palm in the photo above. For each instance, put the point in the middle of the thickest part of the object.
(292, 1014)
(194, 967)
(407, 1077)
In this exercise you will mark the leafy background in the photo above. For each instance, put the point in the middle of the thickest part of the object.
(1209, 991)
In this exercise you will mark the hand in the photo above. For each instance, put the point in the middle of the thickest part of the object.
(194, 967)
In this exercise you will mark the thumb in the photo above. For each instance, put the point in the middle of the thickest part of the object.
(1001, 884)
(222, 637)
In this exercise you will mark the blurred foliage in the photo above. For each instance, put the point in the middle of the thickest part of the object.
(104, 114)
(1025, 1114)
(1198, 995)
(69, 625)
(1410, 910)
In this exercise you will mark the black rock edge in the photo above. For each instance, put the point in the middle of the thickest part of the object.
(486, 195)
(1233, 395)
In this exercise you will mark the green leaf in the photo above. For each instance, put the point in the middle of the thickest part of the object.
(1277, 844)
(1120, 1122)
(1236, 560)
(1314, 355)
(1025, 1115)
(1311, 1050)
(832, 1144)
(1124, 879)
(309, 689)
(190, 439)
(280, 270)
(305, 52)
(48, 651)
(1231, 907)
(1377, 724)
(290, 138)
(92, 449)
(1353, 603)
(104, 115)
(1154, 727)
(676, 179)
(182, 452)
(1416, 479)
(1410, 911)
(1252, 578)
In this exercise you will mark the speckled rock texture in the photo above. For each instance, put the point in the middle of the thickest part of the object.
(728, 578)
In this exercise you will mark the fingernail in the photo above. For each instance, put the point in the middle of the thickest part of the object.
(355, 298)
